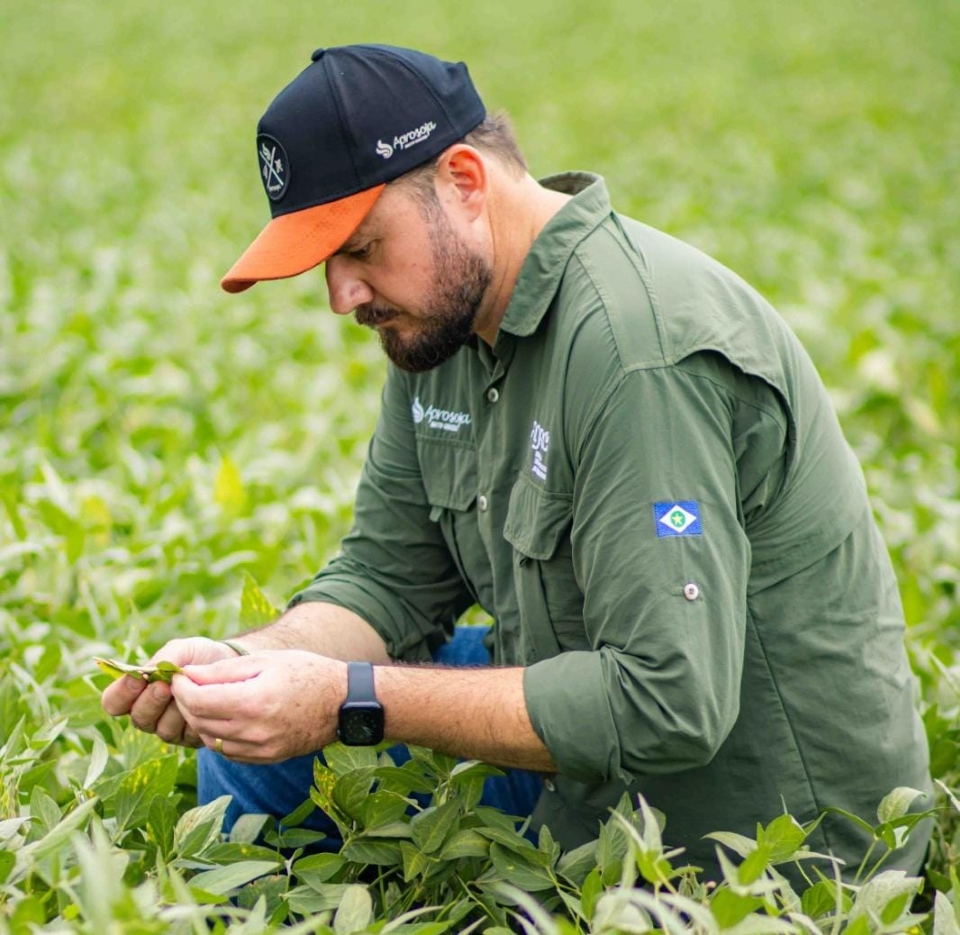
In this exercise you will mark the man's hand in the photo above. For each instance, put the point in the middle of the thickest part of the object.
(152, 707)
(265, 707)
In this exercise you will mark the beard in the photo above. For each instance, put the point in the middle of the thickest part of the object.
(445, 320)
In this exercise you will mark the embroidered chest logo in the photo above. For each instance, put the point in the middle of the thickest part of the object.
(540, 444)
(445, 419)
(677, 518)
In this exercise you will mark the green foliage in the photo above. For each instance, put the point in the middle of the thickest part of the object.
(163, 447)
(111, 853)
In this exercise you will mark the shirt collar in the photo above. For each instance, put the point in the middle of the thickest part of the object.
(547, 260)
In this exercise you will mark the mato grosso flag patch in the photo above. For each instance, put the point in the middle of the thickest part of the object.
(677, 518)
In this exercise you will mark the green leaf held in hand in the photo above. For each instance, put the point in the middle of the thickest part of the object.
(161, 672)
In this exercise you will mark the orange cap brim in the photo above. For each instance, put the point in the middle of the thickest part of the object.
(293, 243)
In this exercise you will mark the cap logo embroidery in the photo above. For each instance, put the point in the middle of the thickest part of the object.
(406, 140)
(677, 518)
(274, 167)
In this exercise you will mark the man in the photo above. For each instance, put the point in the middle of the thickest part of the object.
(604, 438)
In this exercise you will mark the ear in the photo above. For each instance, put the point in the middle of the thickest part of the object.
(463, 180)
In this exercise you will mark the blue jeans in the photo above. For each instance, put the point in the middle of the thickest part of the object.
(280, 788)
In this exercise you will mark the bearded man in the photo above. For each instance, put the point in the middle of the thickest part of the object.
(604, 438)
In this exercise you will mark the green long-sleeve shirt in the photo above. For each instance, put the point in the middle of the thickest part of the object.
(644, 484)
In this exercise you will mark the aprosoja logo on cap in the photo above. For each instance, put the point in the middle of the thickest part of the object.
(274, 167)
(406, 140)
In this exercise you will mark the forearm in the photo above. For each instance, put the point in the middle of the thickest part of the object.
(475, 713)
(319, 627)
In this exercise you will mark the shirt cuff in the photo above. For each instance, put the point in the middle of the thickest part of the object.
(561, 692)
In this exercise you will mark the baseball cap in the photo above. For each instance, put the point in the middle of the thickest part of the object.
(357, 117)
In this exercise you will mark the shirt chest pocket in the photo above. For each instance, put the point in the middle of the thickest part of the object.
(449, 473)
(549, 599)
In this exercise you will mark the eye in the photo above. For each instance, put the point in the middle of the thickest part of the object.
(362, 252)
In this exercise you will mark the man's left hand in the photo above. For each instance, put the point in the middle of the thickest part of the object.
(265, 707)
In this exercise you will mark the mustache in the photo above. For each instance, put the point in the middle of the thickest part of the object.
(373, 315)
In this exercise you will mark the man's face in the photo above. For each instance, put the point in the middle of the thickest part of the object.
(408, 273)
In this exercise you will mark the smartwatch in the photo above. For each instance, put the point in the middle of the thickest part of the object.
(361, 715)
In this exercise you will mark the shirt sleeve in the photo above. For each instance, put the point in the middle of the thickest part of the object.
(394, 569)
(661, 554)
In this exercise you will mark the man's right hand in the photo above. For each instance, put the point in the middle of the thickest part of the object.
(151, 707)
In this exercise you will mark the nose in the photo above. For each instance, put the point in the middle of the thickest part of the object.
(346, 289)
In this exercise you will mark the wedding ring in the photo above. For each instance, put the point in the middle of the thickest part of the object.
(218, 745)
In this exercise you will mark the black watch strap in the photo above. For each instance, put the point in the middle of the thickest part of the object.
(360, 682)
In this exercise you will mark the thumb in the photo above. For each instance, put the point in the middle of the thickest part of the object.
(235, 669)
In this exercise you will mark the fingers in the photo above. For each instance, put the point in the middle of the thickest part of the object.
(150, 706)
(239, 751)
(173, 728)
(119, 697)
(233, 669)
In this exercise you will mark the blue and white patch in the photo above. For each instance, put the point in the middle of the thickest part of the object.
(677, 518)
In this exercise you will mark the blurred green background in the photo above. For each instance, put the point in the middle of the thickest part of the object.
(159, 438)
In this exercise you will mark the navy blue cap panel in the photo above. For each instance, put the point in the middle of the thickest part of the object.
(303, 118)
(416, 114)
(359, 116)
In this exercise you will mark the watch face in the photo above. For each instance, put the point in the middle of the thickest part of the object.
(361, 726)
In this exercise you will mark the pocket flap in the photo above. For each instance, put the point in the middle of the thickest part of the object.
(536, 519)
(449, 473)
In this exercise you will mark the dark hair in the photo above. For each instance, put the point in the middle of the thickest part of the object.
(494, 136)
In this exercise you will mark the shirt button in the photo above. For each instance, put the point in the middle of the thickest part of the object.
(493, 394)
(549, 785)
(691, 592)
(483, 503)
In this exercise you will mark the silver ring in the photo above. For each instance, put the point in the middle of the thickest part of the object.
(218, 745)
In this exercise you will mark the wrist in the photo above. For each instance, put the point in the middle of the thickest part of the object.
(360, 721)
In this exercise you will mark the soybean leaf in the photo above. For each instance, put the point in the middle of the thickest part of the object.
(224, 879)
(309, 902)
(576, 864)
(139, 787)
(897, 803)
(318, 869)
(415, 861)
(821, 899)
(7, 861)
(522, 873)
(945, 918)
(781, 838)
(99, 757)
(465, 843)
(372, 851)
(355, 910)
(383, 808)
(255, 608)
(229, 853)
(247, 828)
(200, 827)
(590, 892)
(159, 672)
(433, 825)
(161, 822)
(729, 908)
(737, 843)
(343, 759)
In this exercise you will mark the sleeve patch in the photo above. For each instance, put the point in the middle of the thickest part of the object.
(677, 518)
